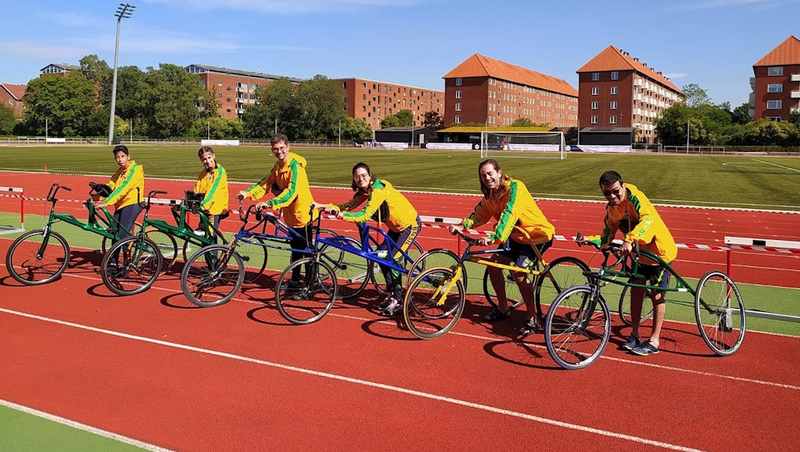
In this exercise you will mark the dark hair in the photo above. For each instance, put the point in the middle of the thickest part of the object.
(204, 149)
(120, 148)
(371, 177)
(609, 177)
(278, 138)
(495, 165)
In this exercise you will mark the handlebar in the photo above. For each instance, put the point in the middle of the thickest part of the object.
(51, 194)
(469, 239)
(150, 196)
(614, 249)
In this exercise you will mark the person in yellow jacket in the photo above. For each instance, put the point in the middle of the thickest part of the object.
(213, 183)
(288, 181)
(127, 190)
(387, 205)
(629, 211)
(521, 224)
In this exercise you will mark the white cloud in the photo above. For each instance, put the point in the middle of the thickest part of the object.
(676, 75)
(46, 52)
(70, 19)
(283, 6)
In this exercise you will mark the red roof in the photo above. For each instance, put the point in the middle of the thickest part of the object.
(482, 66)
(16, 91)
(614, 59)
(787, 52)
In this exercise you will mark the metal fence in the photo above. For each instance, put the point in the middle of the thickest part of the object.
(716, 149)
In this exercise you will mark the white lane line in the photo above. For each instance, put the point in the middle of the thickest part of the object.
(491, 339)
(358, 381)
(778, 165)
(80, 426)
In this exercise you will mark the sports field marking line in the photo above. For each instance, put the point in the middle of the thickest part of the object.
(80, 426)
(548, 196)
(778, 165)
(357, 381)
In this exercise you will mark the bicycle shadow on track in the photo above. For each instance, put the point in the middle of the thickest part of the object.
(177, 301)
(380, 328)
(670, 342)
(257, 315)
(85, 260)
(535, 356)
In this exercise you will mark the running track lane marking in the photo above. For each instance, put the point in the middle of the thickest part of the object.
(358, 381)
(542, 347)
(80, 426)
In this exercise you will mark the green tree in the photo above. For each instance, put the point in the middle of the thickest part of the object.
(175, 99)
(7, 120)
(695, 95)
(794, 118)
(403, 118)
(433, 119)
(216, 128)
(768, 133)
(522, 122)
(132, 93)
(741, 114)
(274, 102)
(68, 104)
(356, 129)
(95, 69)
(321, 105)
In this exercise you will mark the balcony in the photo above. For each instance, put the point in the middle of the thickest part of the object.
(795, 95)
(796, 77)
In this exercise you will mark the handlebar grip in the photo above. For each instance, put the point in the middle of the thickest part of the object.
(65, 188)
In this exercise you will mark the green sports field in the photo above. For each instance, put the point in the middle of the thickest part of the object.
(730, 181)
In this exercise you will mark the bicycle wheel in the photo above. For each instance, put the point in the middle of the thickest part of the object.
(131, 266)
(513, 294)
(433, 303)
(107, 243)
(719, 311)
(32, 264)
(438, 257)
(352, 270)
(577, 328)
(212, 276)
(624, 309)
(558, 275)
(376, 275)
(166, 245)
(308, 295)
(254, 253)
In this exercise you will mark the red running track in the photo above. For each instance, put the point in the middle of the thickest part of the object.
(688, 225)
(353, 381)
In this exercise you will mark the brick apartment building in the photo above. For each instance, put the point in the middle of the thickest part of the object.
(234, 89)
(372, 101)
(483, 90)
(11, 96)
(619, 91)
(776, 88)
(58, 69)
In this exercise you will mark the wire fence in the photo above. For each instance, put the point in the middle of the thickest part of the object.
(716, 149)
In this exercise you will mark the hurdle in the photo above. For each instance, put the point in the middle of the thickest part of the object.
(756, 244)
(17, 192)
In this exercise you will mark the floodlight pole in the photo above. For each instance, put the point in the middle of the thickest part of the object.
(124, 11)
(412, 129)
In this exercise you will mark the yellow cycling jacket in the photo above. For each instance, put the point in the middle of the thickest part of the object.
(214, 183)
(513, 206)
(124, 184)
(386, 205)
(289, 183)
(638, 220)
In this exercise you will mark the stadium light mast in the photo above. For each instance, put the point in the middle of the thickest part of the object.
(124, 11)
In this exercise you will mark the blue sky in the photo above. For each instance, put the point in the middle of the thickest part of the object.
(713, 43)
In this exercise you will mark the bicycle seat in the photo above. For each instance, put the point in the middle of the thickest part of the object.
(100, 189)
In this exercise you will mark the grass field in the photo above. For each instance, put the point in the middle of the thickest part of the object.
(22, 431)
(728, 181)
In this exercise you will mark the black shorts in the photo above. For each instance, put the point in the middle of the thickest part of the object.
(654, 275)
(522, 255)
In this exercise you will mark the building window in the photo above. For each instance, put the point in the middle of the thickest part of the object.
(458, 82)
(612, 120)
(774, 88)
(458, 94)
(458, 106)
(594, 105)
(594, 119)
(612, 105)
(615, 75)
(613, 90)
(458, 119)
(595, 91)
(595, 76)
(775, 71)
(774, 104)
